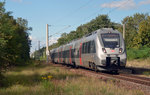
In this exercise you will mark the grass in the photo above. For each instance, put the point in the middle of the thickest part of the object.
(147, 73)
(142, 63)
(49, 80)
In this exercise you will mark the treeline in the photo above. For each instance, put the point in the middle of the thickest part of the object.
(14, 40)
(39, 54)
(137, 37)
(101, 21)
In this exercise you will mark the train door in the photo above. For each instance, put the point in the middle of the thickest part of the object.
(87, 56)
(70, 53)
(73, 53)
(65, 55)
(58, 56)
(93, 51)
(61, 56)
(80, 54)
(76, 53)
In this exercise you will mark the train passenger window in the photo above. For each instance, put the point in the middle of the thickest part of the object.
(83, 47)
(56, 55)
(86, 48)
(64, 54)
(67, 53)
(93, 50)
(89, 44)
(72, 53)
(78, 54)
(60, 54)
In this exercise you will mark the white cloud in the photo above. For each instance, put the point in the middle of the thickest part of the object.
(123, 4)
(145, 2)
(35, 40)
(19, 1)
(30, 37)
(53, 40)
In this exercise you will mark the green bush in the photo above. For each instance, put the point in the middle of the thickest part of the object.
(3, 81)
(140, 53)
(147, 73)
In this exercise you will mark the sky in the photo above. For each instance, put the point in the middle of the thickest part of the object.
(64, 16)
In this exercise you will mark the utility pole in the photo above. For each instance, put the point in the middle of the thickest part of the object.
(39, 53)
(39, 45)
(47, 44)
(35, 54)
(124, 31)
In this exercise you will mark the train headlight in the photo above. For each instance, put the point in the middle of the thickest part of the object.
(120, 50)
(104, 50)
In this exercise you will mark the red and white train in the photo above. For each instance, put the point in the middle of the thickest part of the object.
(103, 49)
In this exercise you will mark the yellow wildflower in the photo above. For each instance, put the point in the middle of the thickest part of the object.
(49, 77)
(44, 78)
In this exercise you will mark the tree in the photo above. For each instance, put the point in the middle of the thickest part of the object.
(132, 27)
(14, 39)
(63, 39)
(143, 37)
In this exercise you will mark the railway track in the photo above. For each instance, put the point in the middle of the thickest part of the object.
(134, 78)
(126, 77)
(137, 77)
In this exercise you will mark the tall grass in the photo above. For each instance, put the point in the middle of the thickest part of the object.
(50, 80)
(141, 63)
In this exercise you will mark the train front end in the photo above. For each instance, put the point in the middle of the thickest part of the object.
(112, 50)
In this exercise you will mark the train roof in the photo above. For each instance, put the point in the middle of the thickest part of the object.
(107, 30)
(102, 30)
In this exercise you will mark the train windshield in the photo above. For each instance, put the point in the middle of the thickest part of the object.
(111, 40)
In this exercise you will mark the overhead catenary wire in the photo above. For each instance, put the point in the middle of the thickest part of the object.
(104, 8)
(92, 14)
(60, 30)
(69, 14)
(73, 12)
(118, 7)
(96, 13)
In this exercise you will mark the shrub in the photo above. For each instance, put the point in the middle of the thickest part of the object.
(140, 53)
